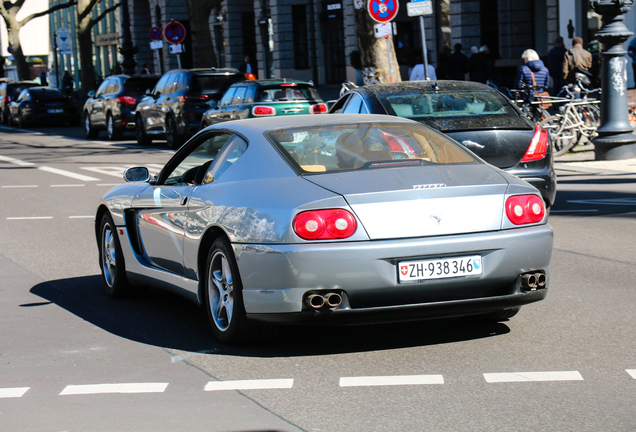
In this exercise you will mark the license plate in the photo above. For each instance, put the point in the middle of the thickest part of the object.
(55, 111)
(410, 271)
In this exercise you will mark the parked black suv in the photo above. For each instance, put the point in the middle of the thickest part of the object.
(112, 106)
(175, 106)
(9, 92)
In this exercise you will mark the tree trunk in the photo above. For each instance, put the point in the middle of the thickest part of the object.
(373, 52)
(199, 11)
(22, 67)
(85, 52)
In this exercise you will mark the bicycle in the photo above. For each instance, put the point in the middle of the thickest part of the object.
(577, 119)
(532, 107)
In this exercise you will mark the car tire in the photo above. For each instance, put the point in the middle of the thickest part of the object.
(173, 140)
(21, 122)
(111, 260)
(4, 118)
(113, 132)
(224, 297)
(89, 130)
(142, 138)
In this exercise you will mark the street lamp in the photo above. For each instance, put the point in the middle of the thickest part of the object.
(127, 49)
(616, 138)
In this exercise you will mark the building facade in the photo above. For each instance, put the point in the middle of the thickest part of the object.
(314, 39)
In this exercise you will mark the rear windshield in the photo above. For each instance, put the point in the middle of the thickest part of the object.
(343, 147)
(214, 84)
(138, 86)
(16, 89)
(418, 105)
(48, 94)
(281, 94)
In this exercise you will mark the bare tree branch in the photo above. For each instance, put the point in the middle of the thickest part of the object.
(89, 9)
(101, 16)
(46, 12)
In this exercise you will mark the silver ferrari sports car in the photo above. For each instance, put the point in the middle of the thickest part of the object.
(341, 218)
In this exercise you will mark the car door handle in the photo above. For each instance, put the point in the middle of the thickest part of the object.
(184, 201)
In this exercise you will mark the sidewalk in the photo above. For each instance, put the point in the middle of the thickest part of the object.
(582, 160)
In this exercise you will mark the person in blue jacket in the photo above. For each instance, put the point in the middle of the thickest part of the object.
(533, 65)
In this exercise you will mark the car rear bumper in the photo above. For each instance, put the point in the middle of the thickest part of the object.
(277, 278)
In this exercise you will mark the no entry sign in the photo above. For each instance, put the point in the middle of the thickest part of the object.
(383, 10)
(174, 32)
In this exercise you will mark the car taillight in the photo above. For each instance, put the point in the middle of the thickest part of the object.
(128, 100)
(318, 109)
(263, 111)
(538, 145)
(194, 98)
(398, 144)
(7, 99)
(325, 224)
(525, 209)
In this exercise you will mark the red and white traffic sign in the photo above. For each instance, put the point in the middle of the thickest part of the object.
(174, 32)
(155, 33)
(383, 11)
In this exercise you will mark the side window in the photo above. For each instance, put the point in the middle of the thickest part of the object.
(196, 159)
(102, 88)
(173, 83)
(353, 106)
(115, 87)
(250, 94)
(229, 154)
(337, 108)
(228, 96)
(24, 95)
(239, 96)
(162, 84)
(3, 89)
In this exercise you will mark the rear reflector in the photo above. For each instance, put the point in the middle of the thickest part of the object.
(263, 111)
(318, 109)
(538, 145)
(128, 100)
(194, 98)
(325, 224)
(525, 209)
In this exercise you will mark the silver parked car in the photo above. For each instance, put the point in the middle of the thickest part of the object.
(340, 218)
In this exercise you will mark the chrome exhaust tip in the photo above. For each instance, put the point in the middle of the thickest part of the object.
(315, 301)
(529, 281)
(541, 280)
(333, 300)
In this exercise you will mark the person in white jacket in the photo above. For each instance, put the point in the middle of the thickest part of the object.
(417, 74)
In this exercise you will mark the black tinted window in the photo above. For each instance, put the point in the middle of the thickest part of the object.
(213, 84)
(48, 94)
(138, 86)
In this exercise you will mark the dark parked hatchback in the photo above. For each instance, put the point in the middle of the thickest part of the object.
(112, 106)
(473, 114)
(43, 105)
(174, 107)
(9, 91)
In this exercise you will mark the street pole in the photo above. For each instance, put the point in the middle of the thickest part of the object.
(424, 50)
(57, 74)
(616, 138)
(388, 55)
(127, 49)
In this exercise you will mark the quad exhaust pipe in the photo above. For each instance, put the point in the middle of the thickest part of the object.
(317, 301)
(533, 281)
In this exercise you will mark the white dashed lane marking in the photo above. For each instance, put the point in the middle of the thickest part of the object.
(367, 381)
(30, 218)
(114, 388)
(264, 384)
(15, 392)
(532, 376)
(19, 186)
(631, 372)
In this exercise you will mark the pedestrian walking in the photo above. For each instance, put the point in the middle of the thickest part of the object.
(245, 67)
(631, 52)
(459, 63)
(67, 83)
(533, 73)
(555, 65)
(43, 80)
(576, 60)
(145, 70)
(417, 74)
(478, 64)
(444, 70)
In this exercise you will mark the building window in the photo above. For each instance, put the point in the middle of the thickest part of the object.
(301, 43)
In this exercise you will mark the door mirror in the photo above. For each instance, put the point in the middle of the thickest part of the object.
(148, 92)
(137, 174)
(213, 104)
(91, 94)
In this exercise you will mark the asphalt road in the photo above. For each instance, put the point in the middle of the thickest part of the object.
(73, 360)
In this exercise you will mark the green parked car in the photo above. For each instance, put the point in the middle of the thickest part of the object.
(262, 98)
